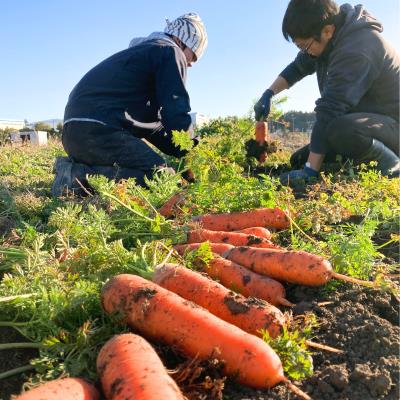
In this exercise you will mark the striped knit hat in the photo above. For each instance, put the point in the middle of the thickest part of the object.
(190, 29)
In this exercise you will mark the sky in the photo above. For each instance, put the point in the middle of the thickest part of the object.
(48, 45)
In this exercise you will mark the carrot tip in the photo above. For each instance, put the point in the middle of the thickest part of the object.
(350, 279)
(293, 388)
(285, 302)
(319, 346)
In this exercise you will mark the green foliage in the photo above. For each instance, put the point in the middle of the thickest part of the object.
(295, 357)
(352, 250)
(182, 140)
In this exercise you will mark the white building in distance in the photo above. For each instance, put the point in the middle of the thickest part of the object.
(12, 123)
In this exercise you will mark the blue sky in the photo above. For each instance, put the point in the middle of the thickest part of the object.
(48, 45)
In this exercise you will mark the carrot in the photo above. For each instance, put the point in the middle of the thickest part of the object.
(250, 314)
(129, 368)
(246, 282)
(219, 248)
(257, 231)
(261, 133)
(233, 238)
(170, 207)
(266, 217)
(297, 267)
(62, 389)
(161, 315)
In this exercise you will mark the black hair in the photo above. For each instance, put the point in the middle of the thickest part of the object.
(306, 18)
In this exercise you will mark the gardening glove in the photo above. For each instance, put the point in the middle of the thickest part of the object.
(305, 175)
(263, 106)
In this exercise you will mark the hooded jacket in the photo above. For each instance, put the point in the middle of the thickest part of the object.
(357, 72)
(138, 89)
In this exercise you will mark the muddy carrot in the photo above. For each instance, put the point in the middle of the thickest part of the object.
(257, 231)
(161, 315)
(250, 314)
(129, 368)
(170, 207)
(62, 389)
(261, 134)
(248, 283)
(233, 238)
(297, 267)
(265, 217)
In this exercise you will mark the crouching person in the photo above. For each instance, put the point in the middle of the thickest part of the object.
(138, 93)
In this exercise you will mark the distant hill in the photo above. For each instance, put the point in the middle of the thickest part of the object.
(52, 122)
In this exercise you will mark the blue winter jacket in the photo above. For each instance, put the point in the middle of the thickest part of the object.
(357, 72)
(140, 87)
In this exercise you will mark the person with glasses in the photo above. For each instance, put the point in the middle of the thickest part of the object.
(357, 114)
(137, 93)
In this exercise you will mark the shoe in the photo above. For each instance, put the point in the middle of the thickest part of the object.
(388, 163)
(70, 178)
(63, 176)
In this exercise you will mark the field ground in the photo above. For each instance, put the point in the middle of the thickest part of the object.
(347, 219)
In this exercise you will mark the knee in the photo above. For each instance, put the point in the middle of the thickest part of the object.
(343, 135)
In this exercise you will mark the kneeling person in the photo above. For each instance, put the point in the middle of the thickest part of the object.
(138, 93)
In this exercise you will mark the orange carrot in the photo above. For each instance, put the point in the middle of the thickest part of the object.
(129, 368)
(266, 217)
(297, 267)
(257, 231)
(246, 282)
(233, 238)
(219, 248)
(261, 133)
(250, 314)
(62, 389)
(170, 207)
(161, 315)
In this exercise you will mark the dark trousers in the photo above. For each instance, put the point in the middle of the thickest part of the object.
(351, 136)
(116, 154)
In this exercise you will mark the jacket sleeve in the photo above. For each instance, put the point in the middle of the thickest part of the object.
(349, 78)
(171, 94)
(303, 65)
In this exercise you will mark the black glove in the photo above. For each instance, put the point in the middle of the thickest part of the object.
(263, 106)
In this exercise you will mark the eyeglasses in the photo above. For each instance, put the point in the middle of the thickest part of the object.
(305, 49)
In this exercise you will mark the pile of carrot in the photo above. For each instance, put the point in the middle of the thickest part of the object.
(198, 316)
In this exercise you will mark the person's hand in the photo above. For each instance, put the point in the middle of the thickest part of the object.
(263, 106)
(305, 175)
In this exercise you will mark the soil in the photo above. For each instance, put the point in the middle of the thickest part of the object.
(362, 322)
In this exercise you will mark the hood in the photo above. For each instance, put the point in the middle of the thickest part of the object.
(356, 18)
(153, 36)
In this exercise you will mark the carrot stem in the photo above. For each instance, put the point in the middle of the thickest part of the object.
(23, 345)
(293, 388)
(352, 280)
(319, 346)
(109, 195)
(16, 371)
(301, 230)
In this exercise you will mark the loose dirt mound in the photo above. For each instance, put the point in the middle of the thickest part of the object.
(363, 323)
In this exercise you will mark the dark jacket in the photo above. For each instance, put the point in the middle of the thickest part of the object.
(357, 72)
(140, 87)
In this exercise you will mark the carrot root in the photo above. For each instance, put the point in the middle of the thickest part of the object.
(285, 302)
(320, 346)
(350, 279)
(298, 392)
